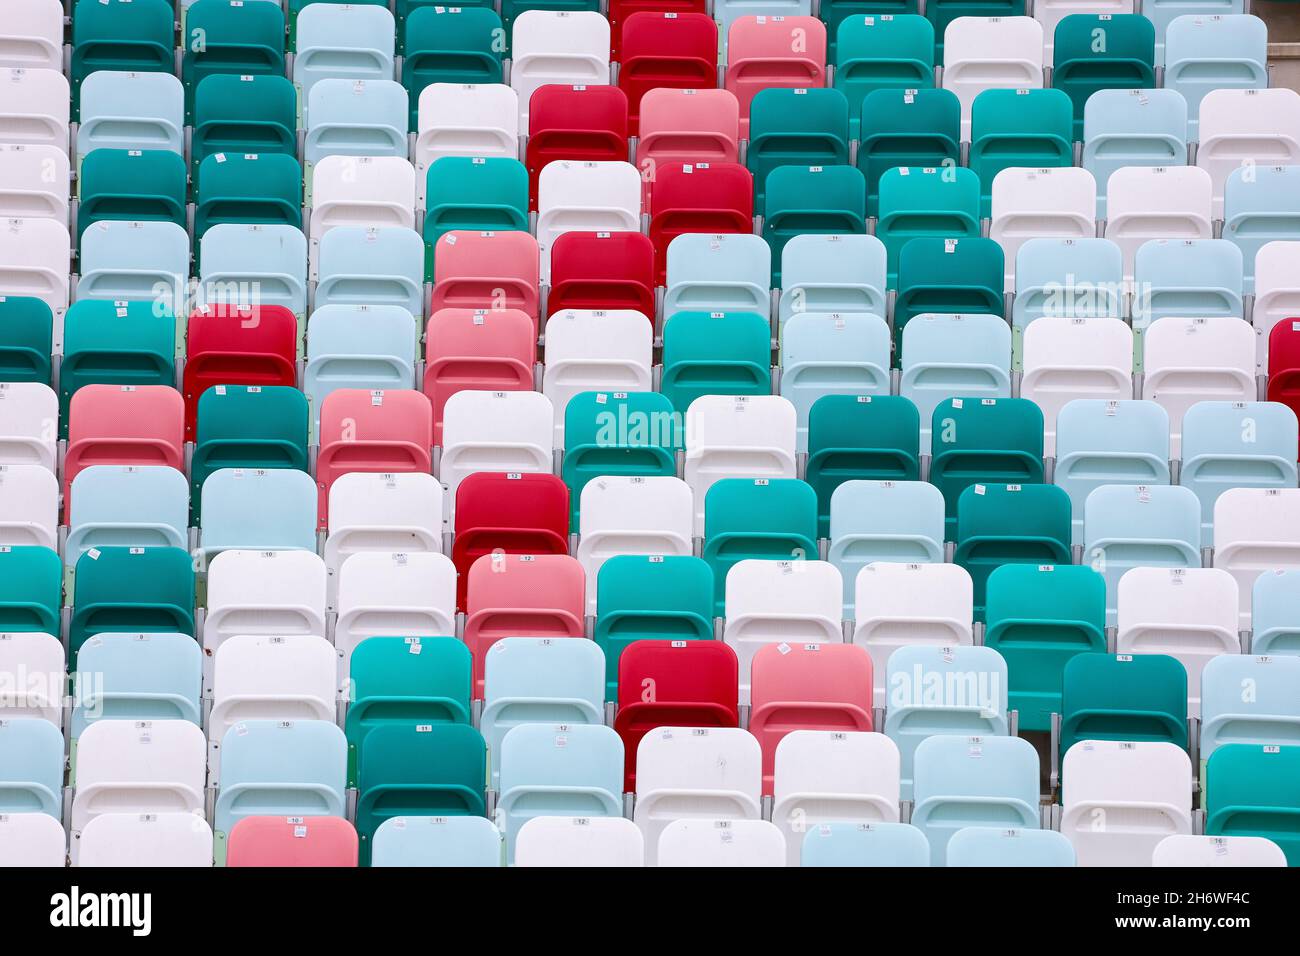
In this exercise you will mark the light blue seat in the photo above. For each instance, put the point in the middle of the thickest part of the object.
(1269, 714)
(1014, 846)
(238, 259)
(353, 42)
(137, 677)
(1141, 526)
(1214, 53)
(898, 521)
(865, 844)
(1275, 613)
(355, 118)
(1162, 13)
(270, 509)
(121, 110)
(1100, 442)
(134, 505)
(1187, 278)
(375, 267)
(830, 354)
(844, 274)
(708, 273)
(357, 346)
(973, 781)
(1132, 128)
(1067, 278)
(135, 260)
(550, 770)
(437, 841)
(31, 766)
(954, 356)
(1236, 445)
(971, 698)
(539, 680)
(283, 768)
(1260, 207)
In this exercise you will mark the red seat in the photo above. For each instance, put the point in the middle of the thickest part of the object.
(765, 52)
(582, 123)
(602, 270)
(479, 350)
(522, 595)
(486, 270)
(515, 513)
(686, 126)
(666, 51)
(621, 11)
(384, 432)
(807, 687)
(292, 841)
(233, 345)
(123, 425)
(701, 197)
(674, 684)
(1284, 364)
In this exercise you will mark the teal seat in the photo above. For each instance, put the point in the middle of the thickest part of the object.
(657, 597)
(941, 202)
(905, 127)
(1038, 618)
(716, 353)
(250, 188)
(243, 114)
(221, 36)
(1254, 790)
(31, 767)
(437, 841)
(134, 185)
(818, 200)
(873, 53)
(1124, 60)
(864, 844)
(131, 36)
(769, 518)
(137, 677)
(943, 12)
(450, 45)
(1019, 128)
(26, 339)
(996, 846)
(948, 276)
(31, 589)
(1138, 697)
(479, 195)
(795, 127)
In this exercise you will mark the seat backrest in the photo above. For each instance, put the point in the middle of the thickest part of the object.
(1132, 128)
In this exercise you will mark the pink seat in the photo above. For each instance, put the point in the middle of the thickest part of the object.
(807, 687)
(487, 351)
(292, 841)
(522, 595)
(686, 126)
(123, 425)
(486, 270)
(379, 431)
(764, 52)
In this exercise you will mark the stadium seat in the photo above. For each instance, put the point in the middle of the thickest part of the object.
(585, 197)
(1266, 715)
(355, 118)
(812, 200)
(437, 841)
(1202, 54)
(714, 354)
(145, 261)
(257, 509)
(479, 120)
(591, 350)
(239, 258)
(474, 194)
(1205, 851)
(832, 273)
(1021, 127)
(942, 12)
(871, 53)
(1274, 302)
(1250, 791)
(557, 46)
(131, 111)
(34, 108)
(1073, 359)
(883, 520)
(991, 847)
(27, 342)
(32, 592)
(865, 844)
(495, 431)
(795, 127)
(1050, 13)
(579, 841)
(174, 839)
(1163, 12)
(471, 267)
(1255, 529)
(948, 277)
(713, 198)
(351, 42)
(1123, 698)
(1273, 603)
(120, 35)
(1082, 66)
(231, 189)
(1189, 279)
(1259, 208)
(33, 664)
(29, 416)
(675, 49)
(136, 677)
(687, 126)
(605, 271)
(221, 36)
(620, 11)
(32, 779)
(136, 505)
(990, 52)
(575, 123)
(370, 191)
(1253, 126)
(243, 114)
(453, 45)
(934, 201)
(132, 185)
(34, 256)
(358, 347)
(767, 52)
(718, 273)
(1027, 204)
(721, 843)
(1124, 128)
(33, 38)
(29, 513)
(292, 842)
(831, 354)
(1146, 203)
(906, 128)
(484, 350)
(228, 346)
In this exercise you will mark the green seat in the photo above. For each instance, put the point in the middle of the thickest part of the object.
(851, 437)
(943, 12)
(115, 343)
(242, 426)
(816, 200)
(418, 770)
(133, 36)
(1038, 618)
(715, 353)
(1254, 790)
(135, 185)
(244, 114)
(127, 590)
(26, 339)
(1094, 52)
(799, 127)
(1010, 524)
(1019, 128)
(224, 36)
(618, 433)
(31, 589)
(248, 188)
(947, 277)
(406, 9)
(988, 441)
(450, 45)
(942, 201)
(650, 598)
(401, 680)
(769, 518)
(880, 53)
(1137, 697)
(907, 128)
(478, 194)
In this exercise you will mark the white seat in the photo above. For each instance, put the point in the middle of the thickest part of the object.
(585, 197)
(494, 431)
(464, 120)
(1187, 361)
(34, 183)
(712, 843)
(34, 107)
(146, 839)
(984, 53)
(29, 424)
(382, 594)
(625, 515)
(1068, 359)
(771, 602)
(737, 436)
(695, 773)
(35, 257)
(1120, 799)
(370, 191)
(901, 604)
(32, 35)
(32, 839)
(548, 46)
(824, 776)
(1051, 12)
(375, 512)
(32, 676)
(29, 506)
(1185, 849)
(579, 841)
(1157, 202)
(1277, 293)
(1032, 203)
(1238, 127)
(590, 351)
(1256, 530)
(1187, 613)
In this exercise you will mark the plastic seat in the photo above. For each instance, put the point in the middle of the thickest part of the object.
(988, 846)
(237, 258)
(579, 841)
(688, 126)
(33, 663)
(795, 127)
(451, 45)
(812, 200)
(721, 843)
(32, 781)
(1026, 204)
(32, 592)
(29, 514)
(864, 844)
(471, 268)
(1067, 279)
(1273, 599)
(34, 109)
(715, 353)
(620, 11)
(604, 271)
(948, 276)
(712, 198)
(33, 261)
(1254, 531)
(729, 11)
(1073, 359)
(147, 262)
(1138, 697)
(231, 189)
(1022, 127)
(1275, 303)
(247, 39)
(1165, 289)
(1132, 128)
(27, 341)
(557, 46)
(285, 842)
(29, 413)
(1203, 851)
(873, 53)
(243, 114)
(495, 431)
(826, 355)
(133, 185)
(586, 197)
(930, 202)
(575, 123)
(1214, 53)
(352, 42)
(1250, 791)
(35, 839)
(1156, 202)
(1269, 715)
(942, 12)
(135, 505)
(268, 509)
(1236, 126)
(359, 347)
(131, 111)
(1051, 12)
(437, 841)
(990, 52)
(765, 52)
(1125, 61)
(1162, 13)
(371, 191)
(474, 194)
(663, 50)
(832, 273)
(718, 273)
(1258, 209)
(122, 36)
(477, 120)
(355, 118)
(33, 37)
